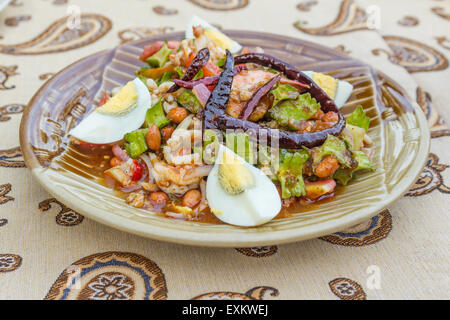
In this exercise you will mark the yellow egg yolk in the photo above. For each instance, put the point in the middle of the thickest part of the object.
(234, 176)
(122, 103)
(219, 38)
(327, 83)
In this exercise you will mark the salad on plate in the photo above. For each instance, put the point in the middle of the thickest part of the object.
(211, 131)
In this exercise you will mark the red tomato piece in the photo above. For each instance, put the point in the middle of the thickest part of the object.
(210, 69)
(137, 171)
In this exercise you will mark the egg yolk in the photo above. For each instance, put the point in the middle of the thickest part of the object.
(219, 38)
(122, 103)
(234, 176)
(327, 83)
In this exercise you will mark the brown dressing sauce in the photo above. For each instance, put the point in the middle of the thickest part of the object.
(91, 161)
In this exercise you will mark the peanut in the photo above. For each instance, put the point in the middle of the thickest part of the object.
(177, 114)
(153, 138)
(159, 197)
(114, 162)
(191, 198)
(166, 132)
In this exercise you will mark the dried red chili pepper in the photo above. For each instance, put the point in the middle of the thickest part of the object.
(291, 140)
(199, 61)
(221, 93)
(261, 92)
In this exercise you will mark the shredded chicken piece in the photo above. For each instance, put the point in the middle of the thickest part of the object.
(177, 180)
(136, 199)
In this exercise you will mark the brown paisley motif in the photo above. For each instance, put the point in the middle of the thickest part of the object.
(9, 262)
(256, 293)
(12, 158)
(4, 190)
(9, 109)
(430, 179)
(132, 34)
(350, 18)
(222, 5)
(258, 252)
(110, 276)
(408, 21)
(16, 3)
(441, 12)
(46, 76)
(413, 55)
(164, 11)
(363, 234)
(341, 48)
(66, 217)
(347, 289)
(437, 125)
(306, 5)
(59, 2)
(443, 42)
(5, 73)
(59, 37)
(14, 21)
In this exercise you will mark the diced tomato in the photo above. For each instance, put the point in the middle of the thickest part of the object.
(153, 48)
(138, 170)
(189, 59)
(103, 99)
(210, 69)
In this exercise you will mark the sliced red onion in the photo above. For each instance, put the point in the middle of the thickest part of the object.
(119, 153)
(202, 93)
(130, 188)
(207, 81)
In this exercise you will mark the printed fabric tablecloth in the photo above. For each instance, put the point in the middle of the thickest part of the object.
(401, 253)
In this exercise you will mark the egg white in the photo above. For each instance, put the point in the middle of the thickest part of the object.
(343, 91)
(101, 128)
(255, 206)
(197, 21)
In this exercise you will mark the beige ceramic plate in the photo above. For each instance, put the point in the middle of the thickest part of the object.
(398, 129)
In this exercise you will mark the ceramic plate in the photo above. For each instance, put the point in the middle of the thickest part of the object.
(398, 129)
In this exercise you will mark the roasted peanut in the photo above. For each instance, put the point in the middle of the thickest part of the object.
(177, 114)
(159, 197)
(153, 138)
(327, 167)
(166, 132)
(191, 198)
(114, 162)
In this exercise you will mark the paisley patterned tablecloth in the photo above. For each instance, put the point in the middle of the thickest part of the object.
(48, 251)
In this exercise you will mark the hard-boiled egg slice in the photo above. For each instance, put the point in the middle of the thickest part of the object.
(219, 38)
(123, 113)
(338, 90)
(240, 194)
